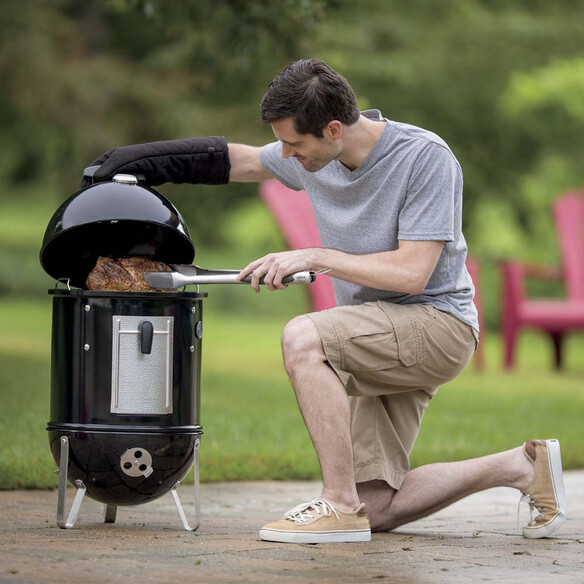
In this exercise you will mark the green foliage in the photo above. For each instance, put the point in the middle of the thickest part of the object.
(79, 78)
(501, 82)
(553, 93)
(548, 104)
(463, 70)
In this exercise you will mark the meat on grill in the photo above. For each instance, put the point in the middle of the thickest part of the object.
(123, 274)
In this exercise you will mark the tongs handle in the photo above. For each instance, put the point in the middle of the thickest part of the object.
(187, 276)
(205, 276)
(296, 278)
(226, 278)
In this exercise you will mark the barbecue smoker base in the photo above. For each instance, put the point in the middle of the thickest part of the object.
(128, 475)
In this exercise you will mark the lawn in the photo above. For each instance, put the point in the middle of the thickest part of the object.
(252, 426)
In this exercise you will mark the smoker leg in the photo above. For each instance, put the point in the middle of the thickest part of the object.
(110, 513)
(63, 464)
(177, 502)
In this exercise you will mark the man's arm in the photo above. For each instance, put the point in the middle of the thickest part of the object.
(406, 269)
(246, 165)
(205, 160)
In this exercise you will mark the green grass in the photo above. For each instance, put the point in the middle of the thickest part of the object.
(23, 219)
(252, 426)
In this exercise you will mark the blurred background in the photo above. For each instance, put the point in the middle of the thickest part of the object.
(501, 81)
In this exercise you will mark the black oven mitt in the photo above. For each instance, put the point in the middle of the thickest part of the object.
(191, 160)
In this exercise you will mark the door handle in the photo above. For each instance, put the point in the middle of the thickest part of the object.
(146, 336)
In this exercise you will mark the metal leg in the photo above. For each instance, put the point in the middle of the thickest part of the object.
(63, 464)
(177, 502)
(110, 513)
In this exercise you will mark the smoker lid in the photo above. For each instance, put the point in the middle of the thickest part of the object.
(119, 218)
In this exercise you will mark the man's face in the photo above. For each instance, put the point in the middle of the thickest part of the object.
(312, 152)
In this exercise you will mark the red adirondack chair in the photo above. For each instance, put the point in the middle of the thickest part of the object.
(293, 213)
(554, 317)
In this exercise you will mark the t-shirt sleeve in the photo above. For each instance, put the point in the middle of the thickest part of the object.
(429, 207)
(284, 169)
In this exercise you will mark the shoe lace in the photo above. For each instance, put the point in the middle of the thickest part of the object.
(533, 509)
(305, 512)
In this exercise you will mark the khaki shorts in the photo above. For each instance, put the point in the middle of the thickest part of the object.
(391, 358)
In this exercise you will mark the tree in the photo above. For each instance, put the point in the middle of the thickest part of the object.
(448, 66)
(81, 76)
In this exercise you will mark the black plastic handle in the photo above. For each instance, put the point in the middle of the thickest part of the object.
(89, 172)
(146, 336)
(285, 279)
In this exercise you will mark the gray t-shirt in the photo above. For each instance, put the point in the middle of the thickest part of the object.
(409, 187)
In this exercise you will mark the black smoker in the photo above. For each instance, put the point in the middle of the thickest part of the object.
(125, 366)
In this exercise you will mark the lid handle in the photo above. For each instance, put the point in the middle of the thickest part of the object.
(129, 179)
(125, 179)
(90, 171)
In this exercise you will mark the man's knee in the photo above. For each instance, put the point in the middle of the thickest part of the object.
(377, 496)
(301, 341)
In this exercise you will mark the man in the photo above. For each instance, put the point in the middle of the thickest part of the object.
(388, 202)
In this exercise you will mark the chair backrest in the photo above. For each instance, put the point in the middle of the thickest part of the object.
(295, 217)
(569, 218)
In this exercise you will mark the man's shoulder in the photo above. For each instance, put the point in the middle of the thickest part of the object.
(423, 145)
(420, 135)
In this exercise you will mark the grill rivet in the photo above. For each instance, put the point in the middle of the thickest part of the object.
(192, 349)
(86, 347)
(87, 308)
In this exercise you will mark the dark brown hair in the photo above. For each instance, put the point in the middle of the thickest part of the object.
(311, 93)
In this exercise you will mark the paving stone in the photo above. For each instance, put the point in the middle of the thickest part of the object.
(475, 540)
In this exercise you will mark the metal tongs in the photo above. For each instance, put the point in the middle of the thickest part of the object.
(186, 274)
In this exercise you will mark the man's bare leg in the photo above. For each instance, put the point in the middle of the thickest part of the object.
(324, 405)
(432, 487)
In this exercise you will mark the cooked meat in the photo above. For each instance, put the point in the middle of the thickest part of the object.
(136, 268)
(108, 275)
(123, 274)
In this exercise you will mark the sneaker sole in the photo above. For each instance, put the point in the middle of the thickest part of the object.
(557, 475)
(282, 536)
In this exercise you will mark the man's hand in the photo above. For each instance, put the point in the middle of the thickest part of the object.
(191, 160)
(406, 269)
(276, 266)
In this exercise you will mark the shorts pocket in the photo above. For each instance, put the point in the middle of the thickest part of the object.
(408, 332)
(370, 352)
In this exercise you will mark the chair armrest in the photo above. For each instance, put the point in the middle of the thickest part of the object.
(513, 282)
(542, 272)
(522, 270)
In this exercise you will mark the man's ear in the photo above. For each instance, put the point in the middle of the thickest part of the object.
(334, 130)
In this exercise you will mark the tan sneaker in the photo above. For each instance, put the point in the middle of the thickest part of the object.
(546, 494)
(318, 522)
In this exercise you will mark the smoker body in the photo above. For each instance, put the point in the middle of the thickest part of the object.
(125, 371)
(125, 378)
